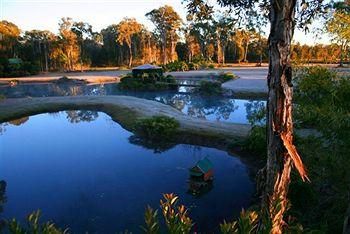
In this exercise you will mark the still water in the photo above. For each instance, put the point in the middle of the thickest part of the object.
(83, 171)
(216, 108)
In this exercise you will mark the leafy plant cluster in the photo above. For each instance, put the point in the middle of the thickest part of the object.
(175, 216)
(16, 70)
(148, 82)
(320, 105)
(34, 226)
(227, 76)
(196, 64)
(157, 128)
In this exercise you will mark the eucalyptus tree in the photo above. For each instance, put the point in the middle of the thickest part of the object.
(69, 43)
(9, 33)
(83, 31)
(110, 47)
(128, 28)
(339, 27)
(40, 44)
(283, 15)
(200, 18)
(168, 23)
(223, 24)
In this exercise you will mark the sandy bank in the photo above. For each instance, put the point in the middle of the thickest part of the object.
(126, 110)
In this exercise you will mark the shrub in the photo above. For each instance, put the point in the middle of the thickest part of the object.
(149, 82)
(227, 77)
(193, 66)
(176, 66)
(211, 66)
(157, 128)
(34, 226)
(175, 216)
(17, 70)
(209, 88)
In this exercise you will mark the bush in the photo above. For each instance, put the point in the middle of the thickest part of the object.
(193, 66)
(17, 70)
(224, 77)
(176, 66)
(211, 66)
(157, 128)
(209, 88)
(148, 82)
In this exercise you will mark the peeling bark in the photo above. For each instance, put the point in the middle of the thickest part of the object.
(280, 149)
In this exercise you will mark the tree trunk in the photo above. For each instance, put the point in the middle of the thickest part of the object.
(261, 50)
(130, 56)
(223, 54)
(164, 49)
(246, 52)
(341, 61)
(281, 153)
(81, 57)
(45, 54)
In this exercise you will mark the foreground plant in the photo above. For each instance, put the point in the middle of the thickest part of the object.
(34, 226)
(175, 216)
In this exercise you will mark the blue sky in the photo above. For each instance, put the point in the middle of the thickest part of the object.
(40, 14)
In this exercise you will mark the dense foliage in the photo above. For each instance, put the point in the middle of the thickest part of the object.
(209, 88)
(322, 105)
(15, 70)
(214, 37)
(148, 82)
(157, 128)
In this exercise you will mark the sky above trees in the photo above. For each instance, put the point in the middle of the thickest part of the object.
(44, 14)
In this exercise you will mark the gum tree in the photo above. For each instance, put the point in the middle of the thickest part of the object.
(283, 16)
(168, 23)
(339, 27)
(127, 28)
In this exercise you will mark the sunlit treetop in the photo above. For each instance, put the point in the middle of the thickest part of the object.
(252, 12)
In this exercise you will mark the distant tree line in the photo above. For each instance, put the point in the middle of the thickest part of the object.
(212, 36)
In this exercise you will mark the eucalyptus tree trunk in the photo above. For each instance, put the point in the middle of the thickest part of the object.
(45, 54)
(130, 55)
(164, 48)
(246, 52)
(281, 153)
(341, 61)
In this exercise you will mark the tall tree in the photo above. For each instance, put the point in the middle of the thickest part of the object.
(40, 44)
(168, 23)
(83, 31)
(339, 27)
(9, 34)
(127, 28)
(224, 29)
(69, 43)
(280, 149)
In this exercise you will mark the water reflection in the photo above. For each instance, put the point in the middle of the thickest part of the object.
(210, 108)
(77, 116)
(88, 176)
(156, 146)
(3, 185)
(18, 122)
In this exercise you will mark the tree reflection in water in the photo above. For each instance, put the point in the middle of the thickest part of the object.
(256, 112)
(77, 116)
(201, 107)
(18, 122)
(2, 201)
(156, 146)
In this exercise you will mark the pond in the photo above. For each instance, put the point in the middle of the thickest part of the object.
(211, 108)
(84, 171)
